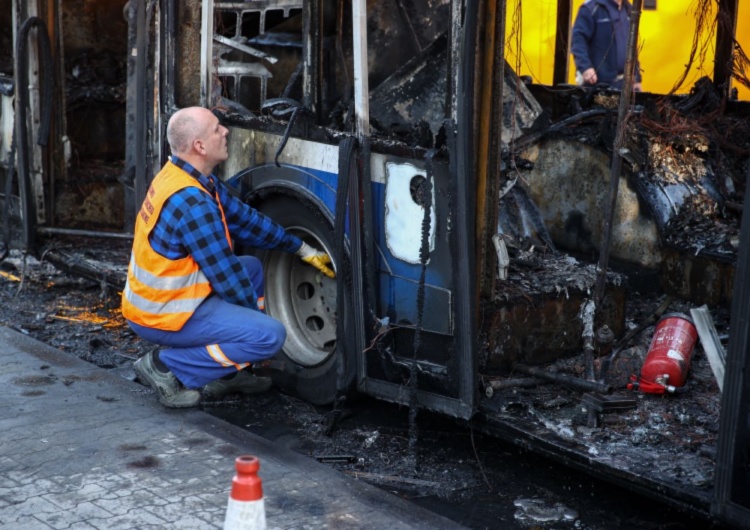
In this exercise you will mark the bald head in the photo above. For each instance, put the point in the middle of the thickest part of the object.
(195, 135)
(184, 127)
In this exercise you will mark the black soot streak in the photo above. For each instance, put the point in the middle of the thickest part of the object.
(145, 462)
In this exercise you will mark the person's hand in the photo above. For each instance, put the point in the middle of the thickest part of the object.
(589, 76)
(316, 258)
(637, 87)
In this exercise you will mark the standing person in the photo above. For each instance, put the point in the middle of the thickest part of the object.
(599, 43)
(186, 290)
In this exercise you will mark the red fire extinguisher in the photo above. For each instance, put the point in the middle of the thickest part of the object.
(668, 360)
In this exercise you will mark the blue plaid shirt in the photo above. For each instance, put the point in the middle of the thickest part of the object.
(190, 224)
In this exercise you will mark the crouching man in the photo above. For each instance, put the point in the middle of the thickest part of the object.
(186, 290)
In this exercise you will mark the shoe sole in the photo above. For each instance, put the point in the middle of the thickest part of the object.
(146, 378)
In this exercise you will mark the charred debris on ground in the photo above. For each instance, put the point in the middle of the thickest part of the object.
(698, 141)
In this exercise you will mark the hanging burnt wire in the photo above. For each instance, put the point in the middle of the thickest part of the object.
(424, 256)
(706, 25)
(513, 48)
(695, 126)
(703, 37)
(515, 35)
(740, 65)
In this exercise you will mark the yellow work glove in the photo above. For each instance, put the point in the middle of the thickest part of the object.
(316, 258)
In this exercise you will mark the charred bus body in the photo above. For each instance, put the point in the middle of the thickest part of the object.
(395, 136)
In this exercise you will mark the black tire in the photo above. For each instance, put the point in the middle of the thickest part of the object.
(305, 301)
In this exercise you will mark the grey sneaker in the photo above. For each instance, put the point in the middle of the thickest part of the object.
(171, 393)
(243, 382)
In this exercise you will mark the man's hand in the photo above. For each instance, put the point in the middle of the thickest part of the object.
(589, 76)
(316, 258)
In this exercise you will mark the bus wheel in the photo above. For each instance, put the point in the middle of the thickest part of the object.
(305, 301)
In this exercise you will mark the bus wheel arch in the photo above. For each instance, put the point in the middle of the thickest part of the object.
(313, 363)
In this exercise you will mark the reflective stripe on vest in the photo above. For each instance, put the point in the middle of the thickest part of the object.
(162, 293)
(161, 290)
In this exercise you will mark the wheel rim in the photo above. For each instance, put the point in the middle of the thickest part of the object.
(304, 299)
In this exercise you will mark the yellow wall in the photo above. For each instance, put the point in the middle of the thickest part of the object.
(537, 34)
(665, 36)
(743, 37)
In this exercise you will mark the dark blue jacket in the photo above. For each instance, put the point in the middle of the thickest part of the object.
(600, 40)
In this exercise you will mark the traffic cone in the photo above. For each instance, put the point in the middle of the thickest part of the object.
(245, 509)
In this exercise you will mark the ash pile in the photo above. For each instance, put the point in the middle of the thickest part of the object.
(698, 155)
(663, 437)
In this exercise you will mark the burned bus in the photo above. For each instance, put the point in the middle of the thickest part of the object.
(489, 221)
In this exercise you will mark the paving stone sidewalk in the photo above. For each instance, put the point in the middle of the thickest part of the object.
(82, 448)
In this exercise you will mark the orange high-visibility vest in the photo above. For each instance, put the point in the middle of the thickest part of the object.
(163, 293)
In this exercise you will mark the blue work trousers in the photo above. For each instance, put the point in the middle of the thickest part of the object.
(220, 338)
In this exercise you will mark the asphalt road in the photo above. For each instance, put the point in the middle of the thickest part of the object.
(468, 477)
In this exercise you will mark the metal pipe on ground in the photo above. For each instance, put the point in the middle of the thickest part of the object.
(83, 233)
(563, 379)
(520, 382)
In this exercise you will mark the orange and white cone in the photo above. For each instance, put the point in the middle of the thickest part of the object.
(245, 510)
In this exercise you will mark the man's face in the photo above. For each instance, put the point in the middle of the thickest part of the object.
(216, 141)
